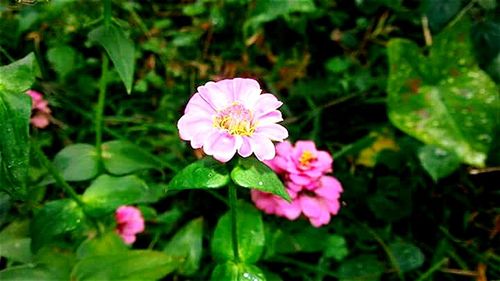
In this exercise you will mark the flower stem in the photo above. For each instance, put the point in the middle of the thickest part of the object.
(107, 12)
(234, 225)
(100, 107)
(57, 176)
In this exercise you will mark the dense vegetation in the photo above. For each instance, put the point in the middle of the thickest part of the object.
(403, 94)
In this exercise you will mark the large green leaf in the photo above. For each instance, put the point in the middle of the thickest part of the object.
(230, 271)
(107, 193)
(252, 173)
(119, 48)
(250, 235)
(204, 173)
(121, 157)
(105, 244)
(130, 265)
(186, 245)
(63, 59)
(438, 162)
(15, 111)
(56, 217)
(443, 99)
(77, 162)
(26, 273)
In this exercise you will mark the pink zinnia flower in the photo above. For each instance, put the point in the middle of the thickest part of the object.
(129, 222)
(40, 109)
(303, 164)
(318, 205)
(232, 115)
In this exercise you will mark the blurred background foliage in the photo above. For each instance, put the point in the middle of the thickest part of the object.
(414, 207)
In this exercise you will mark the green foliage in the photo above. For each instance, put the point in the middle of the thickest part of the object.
(407, 256)
(119, 48)
(186, 245)
(438, 162)
(121, 157)
(232, 271)
(107, 193)
(366, 267)
(204, 173)
(15, 79)
(55, 218)
(250, 234)
(130, 265)
(251, 173)
(442, 100)
(77, 162)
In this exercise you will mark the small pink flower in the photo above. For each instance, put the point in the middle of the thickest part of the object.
(232, 115)
(40, 110)
(318, 205)
(129, 222)
(302, 164)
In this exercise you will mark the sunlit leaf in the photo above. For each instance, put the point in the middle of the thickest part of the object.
(230, 271)
(438, 162)
(204, 173)
(77, 162)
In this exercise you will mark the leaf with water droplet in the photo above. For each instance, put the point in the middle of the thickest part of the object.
(460, 99)
(251, 173)
(231, 271)
(438, 162)
(202, 174)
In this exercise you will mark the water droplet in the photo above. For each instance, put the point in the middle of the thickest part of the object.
(261, 183)
(440, 152)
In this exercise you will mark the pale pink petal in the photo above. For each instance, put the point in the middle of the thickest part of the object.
(265, 104)
(200, 138)
(246, 91)
(262, 147)
(270, 118)
(198, 106)
(190, 125)
(264, 201)
(284, 148)
(301, 146)
(245, 149)
(274, 132)
(223, 147)
(215, 95)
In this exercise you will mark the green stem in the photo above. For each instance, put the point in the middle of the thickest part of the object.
(57, 176)
(433, 269)
(100, 107)
(234, 231)
(107, 12)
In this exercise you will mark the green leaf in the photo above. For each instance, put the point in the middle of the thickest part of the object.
(130, 265)
(362, 268)
(63, 59)
(107, 193)
(443, 99)
(119, 48)
(121, 157)
(59, 261)
(56, 217)
(250, 232)
(15, 243)
(230, 271)
(408, 256)
(204, 173)
(105, 244)
(303, 239)
(336, 247)
(440, 12)
(438, 162)
(251, 173)
(15, 110)
(26, 273)
(77, 162)
(187, 246)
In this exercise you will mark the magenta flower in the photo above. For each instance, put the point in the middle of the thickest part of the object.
(129, 222)
(317, 205)
(232, 116)
(40, 110)
(303, 164)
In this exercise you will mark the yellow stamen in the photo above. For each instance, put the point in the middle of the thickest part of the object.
(306, 158)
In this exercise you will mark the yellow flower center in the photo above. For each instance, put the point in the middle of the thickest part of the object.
(236, 120)
(306, 158)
